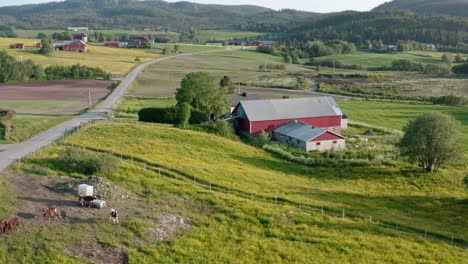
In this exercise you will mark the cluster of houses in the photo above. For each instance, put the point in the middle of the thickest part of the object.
(131, 42)
(256, 43)
(312, 124)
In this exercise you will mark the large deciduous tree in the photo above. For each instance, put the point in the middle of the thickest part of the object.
(430, 139)
(202, 92)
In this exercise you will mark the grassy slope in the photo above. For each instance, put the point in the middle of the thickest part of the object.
(228, 227)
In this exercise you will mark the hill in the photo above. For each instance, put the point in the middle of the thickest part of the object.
(389, 26)
(448, 7)
(237, 202)
(124, 14)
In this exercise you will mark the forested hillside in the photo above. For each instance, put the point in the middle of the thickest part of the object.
(357, 27)
(448, 7)
(389, 26)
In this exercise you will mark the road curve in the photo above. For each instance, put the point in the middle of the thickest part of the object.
(13, 152)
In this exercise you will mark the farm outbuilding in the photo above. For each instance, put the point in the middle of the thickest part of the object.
(19, 46)
(308, 138)
(112, 44)
(38, 45)
(76, 45)
(254, 116)
(83, 37)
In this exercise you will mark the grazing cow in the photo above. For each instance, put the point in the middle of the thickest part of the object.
(50, 212)
(86, 200)
(114, 216)
(3, 225)
(12, 224)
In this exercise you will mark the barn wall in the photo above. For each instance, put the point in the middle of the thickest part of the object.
(326, 145)
(332, 123)
(291, 141)
(241, 124)
(327, 136)
(344, 123)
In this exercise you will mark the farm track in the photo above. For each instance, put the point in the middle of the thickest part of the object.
(16, 152)
(165, 171)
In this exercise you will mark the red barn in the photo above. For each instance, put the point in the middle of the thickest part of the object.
(38, 45)
(112, 44)
(76, 45)
(256, 43)
(255, 116)
(19, 46)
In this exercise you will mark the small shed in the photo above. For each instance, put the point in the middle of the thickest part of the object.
(19, 46)
(38, 45)
(308, 138)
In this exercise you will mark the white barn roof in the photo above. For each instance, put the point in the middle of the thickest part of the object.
(294, 108)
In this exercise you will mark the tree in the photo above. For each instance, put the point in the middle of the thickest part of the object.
(183, 115)
(458, 58)
(461, 69)
(263, 138)
(166, 51)
(201, 91)
(226, 84)
(430, 139)
(47, 47)
(447, 58)
(287, 57)
(176, 49)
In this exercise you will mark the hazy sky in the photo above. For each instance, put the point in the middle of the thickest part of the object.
(309, 5)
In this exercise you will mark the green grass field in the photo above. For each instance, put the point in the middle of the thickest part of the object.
(238, 220)
(373, 60)
(205, 35)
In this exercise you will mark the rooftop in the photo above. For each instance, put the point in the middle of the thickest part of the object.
(293, 108)
(300, 131)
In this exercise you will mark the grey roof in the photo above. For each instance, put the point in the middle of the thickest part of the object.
(277, 109)
(300, 131)
(236, 98)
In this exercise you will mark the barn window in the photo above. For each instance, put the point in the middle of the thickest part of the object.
(335, 142)
(318, 143)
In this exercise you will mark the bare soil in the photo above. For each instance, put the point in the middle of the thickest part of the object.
(56, 90)
(36, 193)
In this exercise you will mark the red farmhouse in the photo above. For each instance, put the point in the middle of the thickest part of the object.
(254, 116)
(112, 44)
(76, 45)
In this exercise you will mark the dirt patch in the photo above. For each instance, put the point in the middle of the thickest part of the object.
(97, 253)
(168, 225)
(56, 90)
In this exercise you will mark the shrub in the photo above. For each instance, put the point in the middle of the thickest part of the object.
(75, 72)
(406, 65)
(450, 100)
(218, 127)
(88, 163)
(437, 69)
(461, 69)
(169, 116)
(267, 50)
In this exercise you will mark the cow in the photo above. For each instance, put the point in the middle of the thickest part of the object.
(12, 224)
(50, 212)
(3, 225)
(114, 216)
(86, 200)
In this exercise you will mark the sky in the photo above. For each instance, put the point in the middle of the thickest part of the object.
(321, 6)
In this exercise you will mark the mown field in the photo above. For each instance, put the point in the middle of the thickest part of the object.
(373, 60)
(162, 80)
(205, 35)
(227, 189)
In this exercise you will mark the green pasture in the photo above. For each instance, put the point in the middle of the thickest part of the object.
(227, 191)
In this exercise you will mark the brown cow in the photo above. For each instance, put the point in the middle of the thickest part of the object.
(12, 224)
(86, 200)
(50, 212)
(3, 225)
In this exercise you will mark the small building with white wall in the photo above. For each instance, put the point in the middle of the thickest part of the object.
(308, 138)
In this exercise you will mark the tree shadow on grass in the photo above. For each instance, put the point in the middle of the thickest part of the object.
(51, 202)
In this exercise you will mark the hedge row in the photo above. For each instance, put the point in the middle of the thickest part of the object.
(169, 115)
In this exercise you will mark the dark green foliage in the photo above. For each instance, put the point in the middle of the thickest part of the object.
(85, 162)
(47, 47)
(461, 69)
(162, 40)
(166, 51)
(75, 72)
(202, 92)
(459, 58)
(169, 116)
(183, 114)
(449, 7)
(429, 141)
(437, 69)
(406, 65)
(267, 49)
(218, 127)
(12, 70)
(452, 100)
(226, 84)
(447, 58)
(409, 46)
(269, 67)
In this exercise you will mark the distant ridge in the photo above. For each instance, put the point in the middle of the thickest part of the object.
(447, 7)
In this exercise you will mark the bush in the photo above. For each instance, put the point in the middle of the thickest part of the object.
(88, 163)
(169, 116)
(406, 65)
(450, 100)
(437, 69)
(219, 127)
(461, 69)
(75, 72)
(267, 50)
